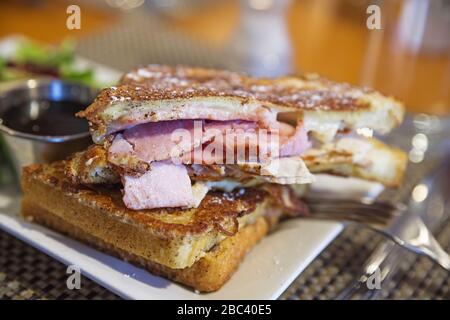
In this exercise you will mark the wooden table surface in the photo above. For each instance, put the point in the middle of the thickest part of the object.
(328, 37)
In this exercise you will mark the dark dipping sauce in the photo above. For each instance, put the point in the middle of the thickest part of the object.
(45, 118)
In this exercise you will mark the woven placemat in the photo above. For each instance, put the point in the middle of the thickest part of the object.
(26, 273)
(141, 38)
(336, 267)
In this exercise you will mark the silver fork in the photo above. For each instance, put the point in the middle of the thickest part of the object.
(434, 173)
(404, 227)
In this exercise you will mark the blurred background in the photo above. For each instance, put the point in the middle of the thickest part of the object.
(407, 55)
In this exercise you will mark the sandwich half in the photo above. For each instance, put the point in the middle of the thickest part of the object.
(202, 125)
(190, 167)
(198, 247)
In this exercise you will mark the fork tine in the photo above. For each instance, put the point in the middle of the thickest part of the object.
(351, 210)
(382, 206)
(368, 212)
(385, 218)
(354, 217)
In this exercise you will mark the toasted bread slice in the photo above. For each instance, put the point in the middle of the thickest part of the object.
(207, 274)
(174, 238)
(157, 93)
(91, 166)
(363, 158)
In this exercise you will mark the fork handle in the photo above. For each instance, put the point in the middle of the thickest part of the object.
(428, 247)
(431, 249)
(423, 242)
(438, 254)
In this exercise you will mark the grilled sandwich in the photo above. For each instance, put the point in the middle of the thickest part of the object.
(198, 247)
(315, 123)
(190, 167)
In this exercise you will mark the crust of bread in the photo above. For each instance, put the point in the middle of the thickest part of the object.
(206, 275)
(157, 93)
(91, 166)
(175, 238)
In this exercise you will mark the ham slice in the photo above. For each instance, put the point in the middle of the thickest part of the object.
(164, 185)
(296, 144)
(246, 143)
(167, 183)
(120, 146)
(154, 142)
(169, 139)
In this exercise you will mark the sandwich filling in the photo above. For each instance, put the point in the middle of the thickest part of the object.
(160, 152)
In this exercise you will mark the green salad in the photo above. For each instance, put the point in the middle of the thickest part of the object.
(32, 58)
